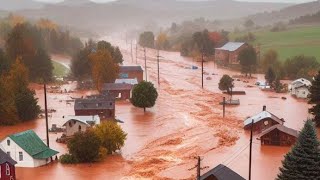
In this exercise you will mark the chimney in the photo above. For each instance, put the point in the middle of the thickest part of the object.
(264, 108)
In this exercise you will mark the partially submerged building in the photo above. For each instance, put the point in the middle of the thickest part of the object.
(7, 166)
(127, 81)
(262, 121)
(221, 172)
(300, 88)
(74, 124)
(228, 54)
(118, 90)
(131, 72)
(27, 149)
(278, 135)
(103, 107)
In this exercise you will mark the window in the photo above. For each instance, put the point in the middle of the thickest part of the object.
(70, 124)
(79, 127)
(8, 142)
(7, 169)
(20, 156)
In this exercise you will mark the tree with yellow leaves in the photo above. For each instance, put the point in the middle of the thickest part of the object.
(104, 70)
(162, 41)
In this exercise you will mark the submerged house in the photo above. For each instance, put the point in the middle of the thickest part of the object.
(131, 72)
(262, 121)
(127, 81)
(119, 90)
(27, 149)
(95, 105)
(221, 172)
(7, 166)
(228, 54)
(300, 88)
(76, 124)
(278, 135)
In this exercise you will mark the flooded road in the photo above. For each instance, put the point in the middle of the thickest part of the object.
(185, 122)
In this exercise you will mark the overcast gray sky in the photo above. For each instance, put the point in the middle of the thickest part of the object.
(290, 1)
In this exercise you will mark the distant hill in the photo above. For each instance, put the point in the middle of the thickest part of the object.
(286, 14)
(12, 5)
(307, 19)
(132, 13)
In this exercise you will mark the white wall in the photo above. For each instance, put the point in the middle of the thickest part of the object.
(71, 130)
(301, 92)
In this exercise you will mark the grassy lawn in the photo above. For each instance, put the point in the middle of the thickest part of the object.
(59, 70)
(294, 41)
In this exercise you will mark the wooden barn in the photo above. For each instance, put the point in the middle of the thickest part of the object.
(221, 172)
(262, 121)
(103, 107)
(278, 135)
(131, 72)
(228, 54)
(7, 168)
(119, 90)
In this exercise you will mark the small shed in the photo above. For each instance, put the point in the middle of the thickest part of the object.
(221, 172)
(262, 121)
(7, 166)
(103, 107)
(228, 54)
(278, 135)
(76, 124)
(131, 72)
(121, 90)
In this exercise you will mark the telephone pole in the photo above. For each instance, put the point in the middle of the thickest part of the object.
(145, 63)
(224, 106)
(46, 112)
(202, 70)
(131, 52)
(158, 67)
(136, 53)
(250, 153)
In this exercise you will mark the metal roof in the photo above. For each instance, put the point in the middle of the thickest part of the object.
(127, 81)
(88, 120)
(221, 172)
(116, 86)
(261, 116)
(4, 157)
(91, 104)
(231, 46)
(281, 128)
(130, 68)
(33, 145)
(301, 82)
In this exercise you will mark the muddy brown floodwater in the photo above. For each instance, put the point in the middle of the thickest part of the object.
(185, 122)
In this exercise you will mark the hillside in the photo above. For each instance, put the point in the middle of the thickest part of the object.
(12, 5)
(307, 19)
(286, 14)
(132, 13)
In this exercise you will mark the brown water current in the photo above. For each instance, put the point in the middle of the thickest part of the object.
(185, 122)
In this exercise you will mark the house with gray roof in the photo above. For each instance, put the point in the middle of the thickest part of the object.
(74, 124)
(221, 172)
(131, 72)
(103, 107)
(118, 90)
(27, 149)
(228, 54)
(278, 135)
(300, 88)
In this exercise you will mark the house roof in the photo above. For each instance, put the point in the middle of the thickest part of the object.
(231, 46)
(92, 104)
(33, 145)
(4, 157)
(281, 128)
(222, 172)
(126, 81)
(84, 119)
(116, 86)
(261, 116)
(130, 68)
(300, 83)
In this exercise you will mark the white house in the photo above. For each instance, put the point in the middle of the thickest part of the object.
(300, 88)
(27, 149)
(79, 123)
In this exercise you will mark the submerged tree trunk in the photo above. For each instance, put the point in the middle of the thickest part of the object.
(144, 109)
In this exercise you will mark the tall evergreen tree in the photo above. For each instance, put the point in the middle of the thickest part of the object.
(303, 161)
(270, 76)
(315, 99)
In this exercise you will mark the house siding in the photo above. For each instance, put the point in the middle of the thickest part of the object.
(131, 75)
(228, 57)
(103, 113)
(262, 125)
(278, 138)
(3, 172)
(74, 128)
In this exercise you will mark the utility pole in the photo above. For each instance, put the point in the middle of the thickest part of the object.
(198, 167)
(136, 53)
(250, 153)
(158, 67)
(224, 106)
(145, 63)
(46, 112)
(202, 70)
(131, 52)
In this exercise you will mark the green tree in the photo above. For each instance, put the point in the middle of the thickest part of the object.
(84, 146)
(8, 110)
(248, 24)
(314, 98)
(301, 67)
(115, 51)
(111, 136)
(278, 86)
(203, 43)
(40, 66)
(226, 83)
(146, 39)
(270, 76)
(302, 162)
(81, 65)
(4, 62)
(248, 60)
(144, 95)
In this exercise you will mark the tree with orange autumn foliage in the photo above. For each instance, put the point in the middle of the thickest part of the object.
(104, 70)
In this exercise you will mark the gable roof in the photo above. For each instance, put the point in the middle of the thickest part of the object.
(33, 145)
(281, 128)
(92, 104)
(300, 83)
(261, 116)
(116, 86)
(126, 81)
(222, 172)
(4, 157)
(84, 119)
(231, 46)
(130, 69)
